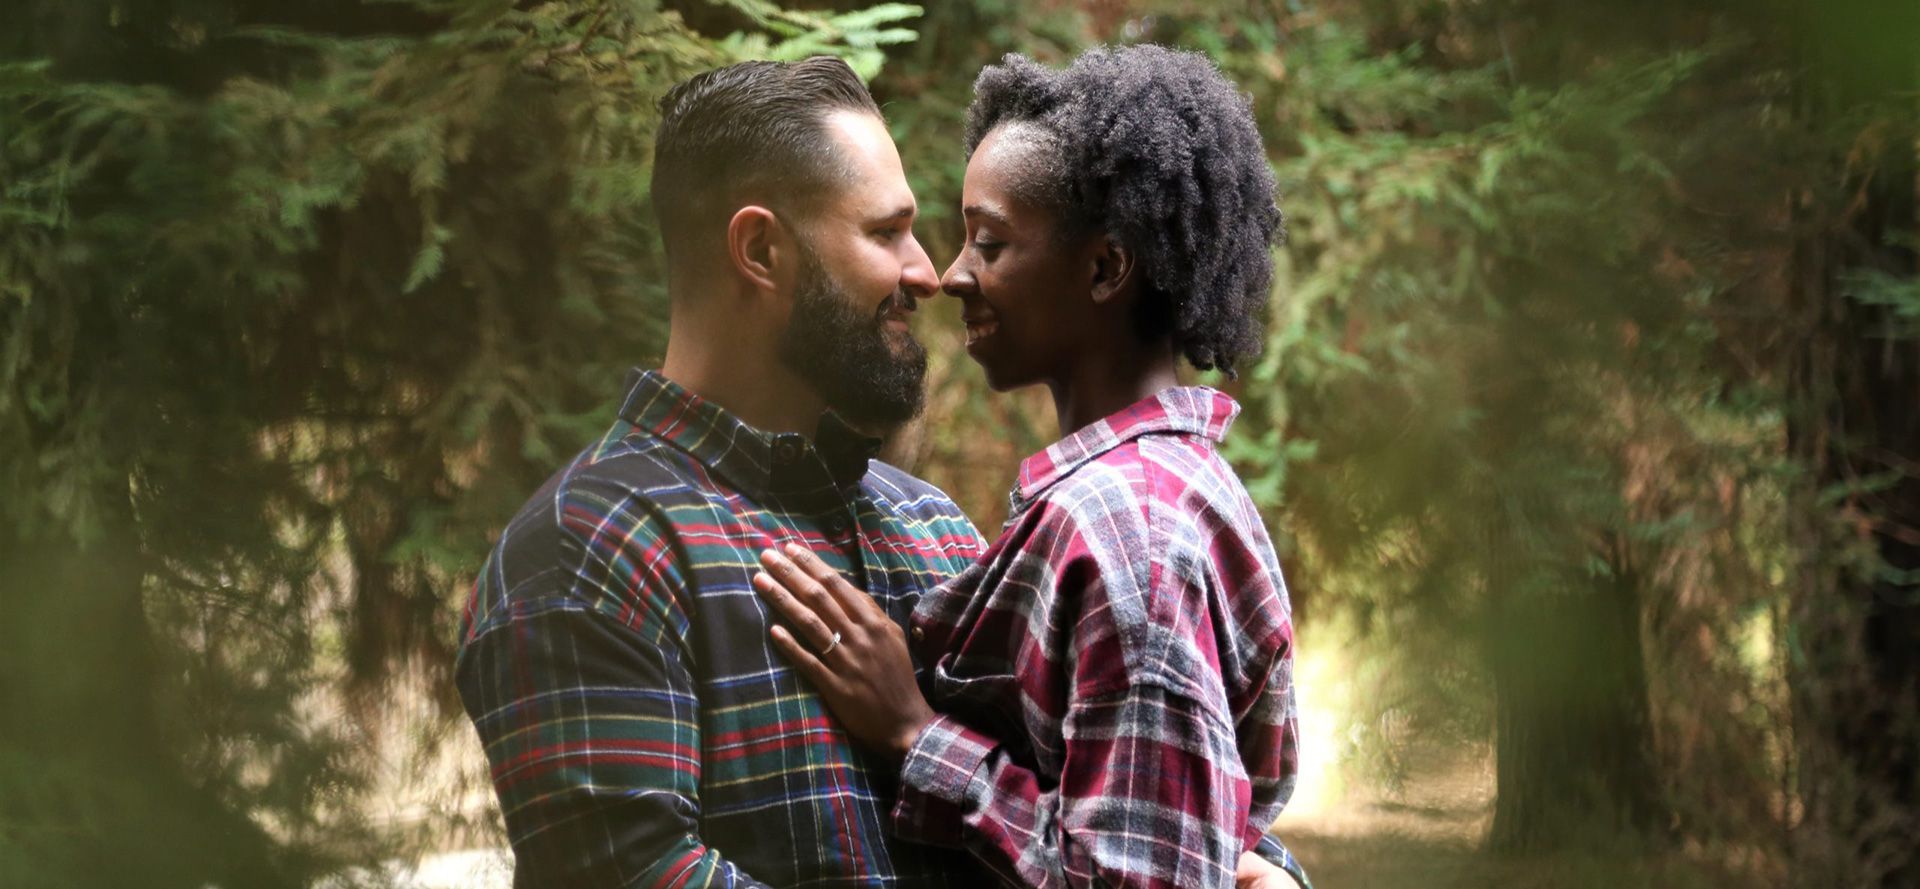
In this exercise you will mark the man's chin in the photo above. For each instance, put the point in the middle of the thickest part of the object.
(879, 414)
(904, 345)
(879, 419)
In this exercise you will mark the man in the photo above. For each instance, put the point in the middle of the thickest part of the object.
(615, 659)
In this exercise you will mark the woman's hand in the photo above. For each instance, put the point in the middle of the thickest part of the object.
(1255, 872)
(854, 655)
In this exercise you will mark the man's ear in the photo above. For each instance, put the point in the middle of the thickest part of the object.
(760, 248)
(1114, 268)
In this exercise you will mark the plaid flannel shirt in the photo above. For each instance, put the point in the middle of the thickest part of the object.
(615, 661)
(1114, 676)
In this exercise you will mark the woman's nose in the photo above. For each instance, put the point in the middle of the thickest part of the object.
(958, 279)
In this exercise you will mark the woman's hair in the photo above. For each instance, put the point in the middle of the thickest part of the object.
(1158, 149)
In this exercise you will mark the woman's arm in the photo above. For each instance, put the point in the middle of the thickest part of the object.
(1151, 795)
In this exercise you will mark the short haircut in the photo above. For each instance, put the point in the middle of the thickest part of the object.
(746, 133)
(1158, 149)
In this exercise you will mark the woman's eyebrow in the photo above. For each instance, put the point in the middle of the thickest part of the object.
(991, 214)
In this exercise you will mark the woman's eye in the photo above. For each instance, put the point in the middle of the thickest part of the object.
(987, 244)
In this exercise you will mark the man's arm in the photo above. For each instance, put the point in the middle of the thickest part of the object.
(584, 701)
(594, 745)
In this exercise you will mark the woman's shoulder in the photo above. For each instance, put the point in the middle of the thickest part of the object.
(1154, 479)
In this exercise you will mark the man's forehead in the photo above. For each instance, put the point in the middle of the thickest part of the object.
(876, 185)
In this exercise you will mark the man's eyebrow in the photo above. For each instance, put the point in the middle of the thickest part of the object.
(992, 214)
(906, 211)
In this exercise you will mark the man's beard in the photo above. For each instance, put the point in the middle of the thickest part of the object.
(843, 351)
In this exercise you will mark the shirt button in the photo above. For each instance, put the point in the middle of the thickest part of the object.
(786, 447)
(835, 525)
(919, 635)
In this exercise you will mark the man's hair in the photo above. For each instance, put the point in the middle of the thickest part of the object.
(751, 132)
(1159, 150)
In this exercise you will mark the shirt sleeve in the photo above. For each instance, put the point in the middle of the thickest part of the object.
(1140, 805)
(1277, 854)
(583, 700)
(1151, 794)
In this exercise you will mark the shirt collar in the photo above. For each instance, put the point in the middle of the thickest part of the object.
(1189, 410)
(755, 461)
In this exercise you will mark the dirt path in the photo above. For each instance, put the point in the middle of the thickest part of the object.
(1429, 835)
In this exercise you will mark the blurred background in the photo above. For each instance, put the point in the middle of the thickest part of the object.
(1588, 422)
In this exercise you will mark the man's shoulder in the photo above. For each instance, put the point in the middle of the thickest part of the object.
(927, 512)
(908, 493)
(627, 473)
(615, 503)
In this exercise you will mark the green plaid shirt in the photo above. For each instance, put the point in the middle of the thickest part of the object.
(615, 659)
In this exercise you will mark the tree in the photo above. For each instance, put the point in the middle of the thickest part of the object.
(297, 303)
(1853, 373)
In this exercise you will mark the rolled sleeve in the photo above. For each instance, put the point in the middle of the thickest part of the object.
(1142, 803)
(940, 774)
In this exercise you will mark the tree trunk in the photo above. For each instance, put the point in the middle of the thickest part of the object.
(1856, 615)
(1573, 735)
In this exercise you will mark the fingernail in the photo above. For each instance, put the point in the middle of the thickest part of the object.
(796, 550)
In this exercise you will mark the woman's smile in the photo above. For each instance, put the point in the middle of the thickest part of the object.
(979, 327)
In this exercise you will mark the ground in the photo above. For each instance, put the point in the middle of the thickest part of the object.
(1429, 834)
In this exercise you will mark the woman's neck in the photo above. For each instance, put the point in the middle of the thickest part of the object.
(1111, 381)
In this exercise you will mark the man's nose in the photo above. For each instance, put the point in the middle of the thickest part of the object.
(917, 276)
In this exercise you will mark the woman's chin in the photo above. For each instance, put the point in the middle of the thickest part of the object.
(998, 379)
(1002, 375)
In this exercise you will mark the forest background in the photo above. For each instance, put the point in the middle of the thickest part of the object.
(1588, 421)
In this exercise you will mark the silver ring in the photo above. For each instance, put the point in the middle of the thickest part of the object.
(831, 645)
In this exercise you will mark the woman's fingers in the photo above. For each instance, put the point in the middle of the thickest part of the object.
(854, 603)
(802, 659)
(813, 628)
(804, 588)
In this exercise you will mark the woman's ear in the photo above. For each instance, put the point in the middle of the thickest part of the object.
(1114, 269)
(759, 248)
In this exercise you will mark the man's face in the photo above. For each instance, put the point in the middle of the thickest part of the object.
(861, 274)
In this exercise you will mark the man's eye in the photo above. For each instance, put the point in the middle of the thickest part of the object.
(889, 235)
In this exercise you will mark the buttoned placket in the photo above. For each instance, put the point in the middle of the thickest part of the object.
(834, 514)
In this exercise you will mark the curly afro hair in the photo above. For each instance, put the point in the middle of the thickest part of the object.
(1158, 149)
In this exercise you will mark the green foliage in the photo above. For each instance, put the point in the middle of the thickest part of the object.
(297, 302)
(292, 318)
(1517, 354)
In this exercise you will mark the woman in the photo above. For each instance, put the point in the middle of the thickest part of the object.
(1109, 691)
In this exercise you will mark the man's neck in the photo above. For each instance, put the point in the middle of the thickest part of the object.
(747, 381)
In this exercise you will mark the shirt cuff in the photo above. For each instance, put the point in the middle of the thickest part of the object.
(937, 780)
(1275, 852)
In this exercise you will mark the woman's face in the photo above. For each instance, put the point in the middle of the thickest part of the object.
(1024, 290)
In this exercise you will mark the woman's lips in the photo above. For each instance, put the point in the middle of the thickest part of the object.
(980, 329)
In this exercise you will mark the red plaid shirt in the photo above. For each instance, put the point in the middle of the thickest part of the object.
(1115, 674)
